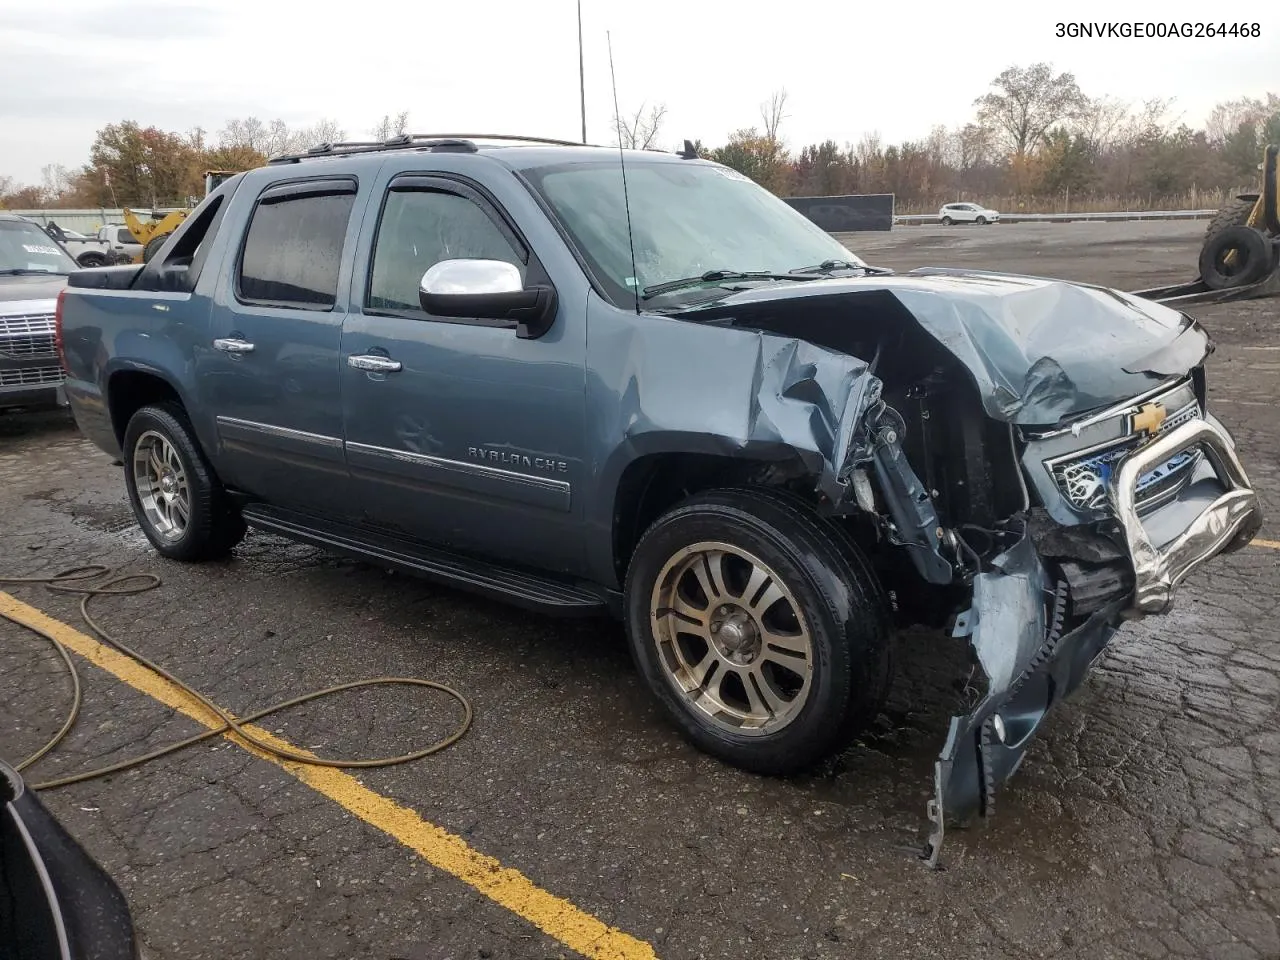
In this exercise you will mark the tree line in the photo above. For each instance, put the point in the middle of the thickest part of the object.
(1035, 142)
(135, 166)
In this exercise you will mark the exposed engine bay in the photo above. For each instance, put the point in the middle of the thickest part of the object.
(1030, 464)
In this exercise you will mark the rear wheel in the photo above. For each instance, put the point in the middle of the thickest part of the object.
(764, 637)
(175, 495)
(947, 221)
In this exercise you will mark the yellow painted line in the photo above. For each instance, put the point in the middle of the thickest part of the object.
(1269, 544)
(554, 916)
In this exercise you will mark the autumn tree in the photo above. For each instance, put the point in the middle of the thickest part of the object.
(390, 126)
(640, 130)
(1066, 162)
(1026, 103)
(16, 196)
(743, 152)
(822, 170)
(270, 139)
(130, 165)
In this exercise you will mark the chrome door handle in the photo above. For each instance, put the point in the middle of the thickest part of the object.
(368, 361)
(232, 345)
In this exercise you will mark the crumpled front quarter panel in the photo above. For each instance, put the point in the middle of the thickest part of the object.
(659, 385)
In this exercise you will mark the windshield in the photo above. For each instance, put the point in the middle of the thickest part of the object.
(687, 219)
(25, 248)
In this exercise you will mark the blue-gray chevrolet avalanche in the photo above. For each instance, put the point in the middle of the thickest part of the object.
(587, 381)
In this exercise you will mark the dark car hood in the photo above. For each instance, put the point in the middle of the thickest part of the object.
(30, 288)
(1040, 350)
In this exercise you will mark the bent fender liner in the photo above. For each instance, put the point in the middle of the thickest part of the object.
(1016, 628)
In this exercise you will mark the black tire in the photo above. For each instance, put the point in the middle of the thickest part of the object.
(153, 246)
(981, 221)
(1234, 213)
(1254, 257)
(213, 525)
(90, 260)
(947, 221)
(844, 606)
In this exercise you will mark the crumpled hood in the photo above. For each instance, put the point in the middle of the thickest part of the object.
(1040, 350)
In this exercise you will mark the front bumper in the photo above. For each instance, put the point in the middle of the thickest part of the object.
(1230, 518)
(1037, 651)
(38, 395)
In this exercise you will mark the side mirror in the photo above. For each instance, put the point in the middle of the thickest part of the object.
(488, 290)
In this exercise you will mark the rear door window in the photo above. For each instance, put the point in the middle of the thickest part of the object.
(293, 247)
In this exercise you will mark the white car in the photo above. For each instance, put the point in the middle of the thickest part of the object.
(967, 213)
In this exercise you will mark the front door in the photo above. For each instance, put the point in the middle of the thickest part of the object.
(270, 371)
(459, 432)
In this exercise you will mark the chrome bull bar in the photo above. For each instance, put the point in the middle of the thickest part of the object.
(1158, 571)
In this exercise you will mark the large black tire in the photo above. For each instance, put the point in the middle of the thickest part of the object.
(840, 599)
(1233, 213)
(153, 246)
(90, 260)
(1251, 258)
(213, 526)
(947, 221)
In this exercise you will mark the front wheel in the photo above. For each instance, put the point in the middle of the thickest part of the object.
(981, 221)
(176, 498)
(759, 627)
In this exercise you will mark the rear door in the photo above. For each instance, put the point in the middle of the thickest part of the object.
(474, 437)
(270, 370)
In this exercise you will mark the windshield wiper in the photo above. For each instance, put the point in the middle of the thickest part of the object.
(826, 266)
(715, 276)
(24, 272)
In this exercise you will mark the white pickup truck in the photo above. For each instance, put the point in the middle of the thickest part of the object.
(86, 251)
(122, 244)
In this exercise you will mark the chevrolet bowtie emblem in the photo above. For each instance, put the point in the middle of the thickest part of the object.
(1149, 418)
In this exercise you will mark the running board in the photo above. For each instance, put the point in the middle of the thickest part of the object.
(517, 587)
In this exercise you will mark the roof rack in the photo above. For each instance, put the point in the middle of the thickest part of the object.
(452, 142)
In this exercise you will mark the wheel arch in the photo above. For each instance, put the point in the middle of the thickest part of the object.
(654, 472)
(131, 385)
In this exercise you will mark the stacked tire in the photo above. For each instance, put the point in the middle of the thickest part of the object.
(1235, 254)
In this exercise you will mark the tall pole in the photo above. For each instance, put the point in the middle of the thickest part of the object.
(582, 77)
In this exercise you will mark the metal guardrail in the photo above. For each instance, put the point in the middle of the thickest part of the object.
(932, 218)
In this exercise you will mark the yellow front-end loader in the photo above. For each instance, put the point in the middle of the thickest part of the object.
(153, 231)
(1240, 257)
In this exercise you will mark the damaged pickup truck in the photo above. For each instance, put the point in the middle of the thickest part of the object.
(658, 391)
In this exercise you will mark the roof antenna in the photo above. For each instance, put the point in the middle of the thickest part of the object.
(622, 160)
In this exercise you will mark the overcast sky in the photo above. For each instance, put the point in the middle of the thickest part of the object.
(67, 67)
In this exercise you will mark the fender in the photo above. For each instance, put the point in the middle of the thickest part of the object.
(162, 371)
(768, 398)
